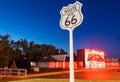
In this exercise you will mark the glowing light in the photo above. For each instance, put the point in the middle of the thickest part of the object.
(94, 58)
(51, 65)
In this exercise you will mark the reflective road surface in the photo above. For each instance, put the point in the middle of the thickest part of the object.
(90, 74)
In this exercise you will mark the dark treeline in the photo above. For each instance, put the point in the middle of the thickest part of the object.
(21, 52)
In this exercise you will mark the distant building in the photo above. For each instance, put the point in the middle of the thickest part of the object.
(91, 58)
(112, 62)
(112, 59)
(48, 62)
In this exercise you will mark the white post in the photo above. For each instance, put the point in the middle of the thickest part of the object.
(18, 72)
(71, 63)
(71, 17)
(25, 72)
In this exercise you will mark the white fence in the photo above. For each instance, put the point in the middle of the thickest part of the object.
(13, 72)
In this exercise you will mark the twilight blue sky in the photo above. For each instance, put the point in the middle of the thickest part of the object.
(38, 20)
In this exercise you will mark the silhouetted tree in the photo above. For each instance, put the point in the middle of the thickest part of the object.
(22, 52)
(62, 51)
(5, 50)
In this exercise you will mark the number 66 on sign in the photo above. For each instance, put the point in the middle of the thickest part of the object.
(71, 16)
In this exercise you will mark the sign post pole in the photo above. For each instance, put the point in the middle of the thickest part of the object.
(71, 17)
(71, 63)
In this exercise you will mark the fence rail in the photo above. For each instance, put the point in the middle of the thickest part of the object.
(13, 72)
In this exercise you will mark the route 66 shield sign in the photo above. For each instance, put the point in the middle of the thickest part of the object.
(71, 16)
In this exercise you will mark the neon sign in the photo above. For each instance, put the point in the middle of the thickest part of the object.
(94, 59)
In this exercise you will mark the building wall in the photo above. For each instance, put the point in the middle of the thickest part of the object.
(81, 56)
(91, 58)
(64, 65)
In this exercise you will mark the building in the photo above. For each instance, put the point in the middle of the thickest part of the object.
(91, 58)
(54, 61)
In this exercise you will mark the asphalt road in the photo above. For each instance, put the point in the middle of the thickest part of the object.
(89, 74)
(112, 73)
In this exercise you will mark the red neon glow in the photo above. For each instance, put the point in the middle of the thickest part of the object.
(59, 64)
(51, 65)
(94, 58)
